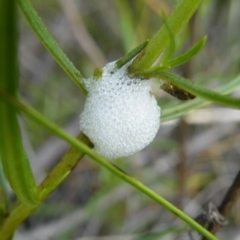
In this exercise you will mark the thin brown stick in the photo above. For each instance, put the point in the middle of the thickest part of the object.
(229, 200)
(182, 165)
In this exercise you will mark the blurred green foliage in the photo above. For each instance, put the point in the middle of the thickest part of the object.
(112, 207)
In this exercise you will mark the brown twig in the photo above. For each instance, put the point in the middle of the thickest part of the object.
(182, 165)
(229, 200)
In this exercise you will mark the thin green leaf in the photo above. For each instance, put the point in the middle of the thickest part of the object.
(183, 108)
(50, 44)
(4, 197)
(38, 118)
(130, 55)
(14, 159)
(172, 44)
(60, 171)
(192, 88)
(188, 55)
(180, 16)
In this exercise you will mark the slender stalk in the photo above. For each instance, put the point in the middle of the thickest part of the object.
(38, 118)
(131, 54)
(185, 57)
(50, 44)
(180, 16)
(186, 107)
(229, 200)
(4, 197)
(15, 162)
(53, 180)
(188, 86)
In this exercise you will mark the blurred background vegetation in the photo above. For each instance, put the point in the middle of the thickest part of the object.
(192, 160)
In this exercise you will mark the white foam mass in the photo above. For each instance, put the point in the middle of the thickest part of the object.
(121, 116)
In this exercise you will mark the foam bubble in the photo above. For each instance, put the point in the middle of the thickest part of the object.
(121, 116)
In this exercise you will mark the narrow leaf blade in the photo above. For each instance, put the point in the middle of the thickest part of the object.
(15, 163)
(189, 54)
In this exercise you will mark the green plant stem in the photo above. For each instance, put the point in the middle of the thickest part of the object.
(185, 57)
(15, 162)
(53, 180)
(4, 197)
(38, 118)
(180, 16)
(130, 55)
(190, 87)
(181, 109)
(50, 44)
(172, 43)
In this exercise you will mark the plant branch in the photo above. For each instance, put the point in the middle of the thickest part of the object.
(50, 44)
(14, 159)
(180, 16)
(51, 182)
(192, 88)
(38, 118)
(186, 107)
(229, 200)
